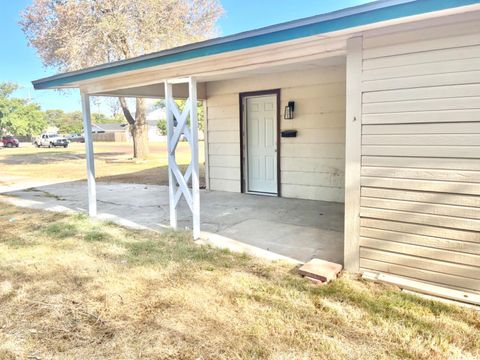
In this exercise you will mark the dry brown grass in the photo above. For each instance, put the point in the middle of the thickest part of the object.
(111, 163)
(71, 288)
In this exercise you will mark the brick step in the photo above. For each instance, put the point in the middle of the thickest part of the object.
(320, 270)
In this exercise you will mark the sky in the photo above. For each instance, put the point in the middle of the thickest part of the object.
(20, 63)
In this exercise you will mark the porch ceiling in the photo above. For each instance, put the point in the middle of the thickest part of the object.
(180, 91)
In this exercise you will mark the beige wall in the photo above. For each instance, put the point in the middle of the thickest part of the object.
(312, 164)
(420, 176)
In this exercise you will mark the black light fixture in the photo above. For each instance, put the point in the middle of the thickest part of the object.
(289, 110)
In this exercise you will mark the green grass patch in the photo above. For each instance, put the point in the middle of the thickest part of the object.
(60, 230)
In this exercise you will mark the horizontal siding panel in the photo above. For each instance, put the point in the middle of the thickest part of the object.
(467, 77)
(422, 105)
(421, 251)
(423, 57)
(422, 196)
(220, 100)
(457, 282)
(434, 231)
(315, 121)
(470, 272)
(418, 218)
(313, 179)
(224, 161)
(225, 124)
(222, 112)
(314, 91)
(321, 105)
(423, 128)
(422, 151)
(225, 185)
(422, 174)
(323, 151)
(318, 136)
(223, 99)
(224, 137)
(328, 75)
(225, 173)
(420, 207)
(421, 46)
(322, 193)
(430, 139)
(313, 165)
(472, 164)
(421, 185)
(224, 149)
(456, 25)
(426, 241)
(423, 117)
(438, 92)
(439, 67)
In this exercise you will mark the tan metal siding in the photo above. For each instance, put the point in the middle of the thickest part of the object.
(420, 176)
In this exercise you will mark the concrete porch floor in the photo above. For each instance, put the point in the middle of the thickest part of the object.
(298, 229)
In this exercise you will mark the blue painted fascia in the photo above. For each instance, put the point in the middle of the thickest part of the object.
(351, 21)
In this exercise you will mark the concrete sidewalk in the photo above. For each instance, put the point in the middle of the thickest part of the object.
(297, 229)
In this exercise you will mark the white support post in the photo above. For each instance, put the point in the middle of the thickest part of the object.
(205, 143)
(87, 130)
(192, 89)
(353, 144)
(174, 133)
(172, 187)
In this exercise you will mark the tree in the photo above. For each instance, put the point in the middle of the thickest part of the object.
(160, 104)
(19, 116)
(70, 35)
(66, 122)
(72, 122)
(162, 126)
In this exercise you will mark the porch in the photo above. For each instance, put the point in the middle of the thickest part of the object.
(293, 228)
(302, 177)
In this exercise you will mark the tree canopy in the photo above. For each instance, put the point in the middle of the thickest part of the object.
(72, 122)
(74, 34)
(70, 35)
(19, 116)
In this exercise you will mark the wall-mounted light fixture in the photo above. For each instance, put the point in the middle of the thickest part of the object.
(289, 110)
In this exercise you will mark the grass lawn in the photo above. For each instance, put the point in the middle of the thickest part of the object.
(112, 163)
(71, 288)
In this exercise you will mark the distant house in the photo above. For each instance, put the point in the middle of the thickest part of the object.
(106, 132)
(51, 130)
(153, 117)
(121, 132)
(111, 132)
(154, 133)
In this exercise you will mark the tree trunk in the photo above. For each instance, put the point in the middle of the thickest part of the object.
(138, 127)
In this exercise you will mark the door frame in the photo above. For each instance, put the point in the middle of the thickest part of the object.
(243, 135)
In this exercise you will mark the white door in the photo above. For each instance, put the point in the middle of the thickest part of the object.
(261, 143)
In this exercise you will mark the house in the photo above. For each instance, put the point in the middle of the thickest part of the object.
(154, 133)
(111, 132)
(153, 117)
(121, 132)
(375, 106)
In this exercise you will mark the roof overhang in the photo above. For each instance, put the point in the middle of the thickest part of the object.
(304, 40)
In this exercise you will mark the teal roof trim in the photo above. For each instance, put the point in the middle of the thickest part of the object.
(341, 23)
